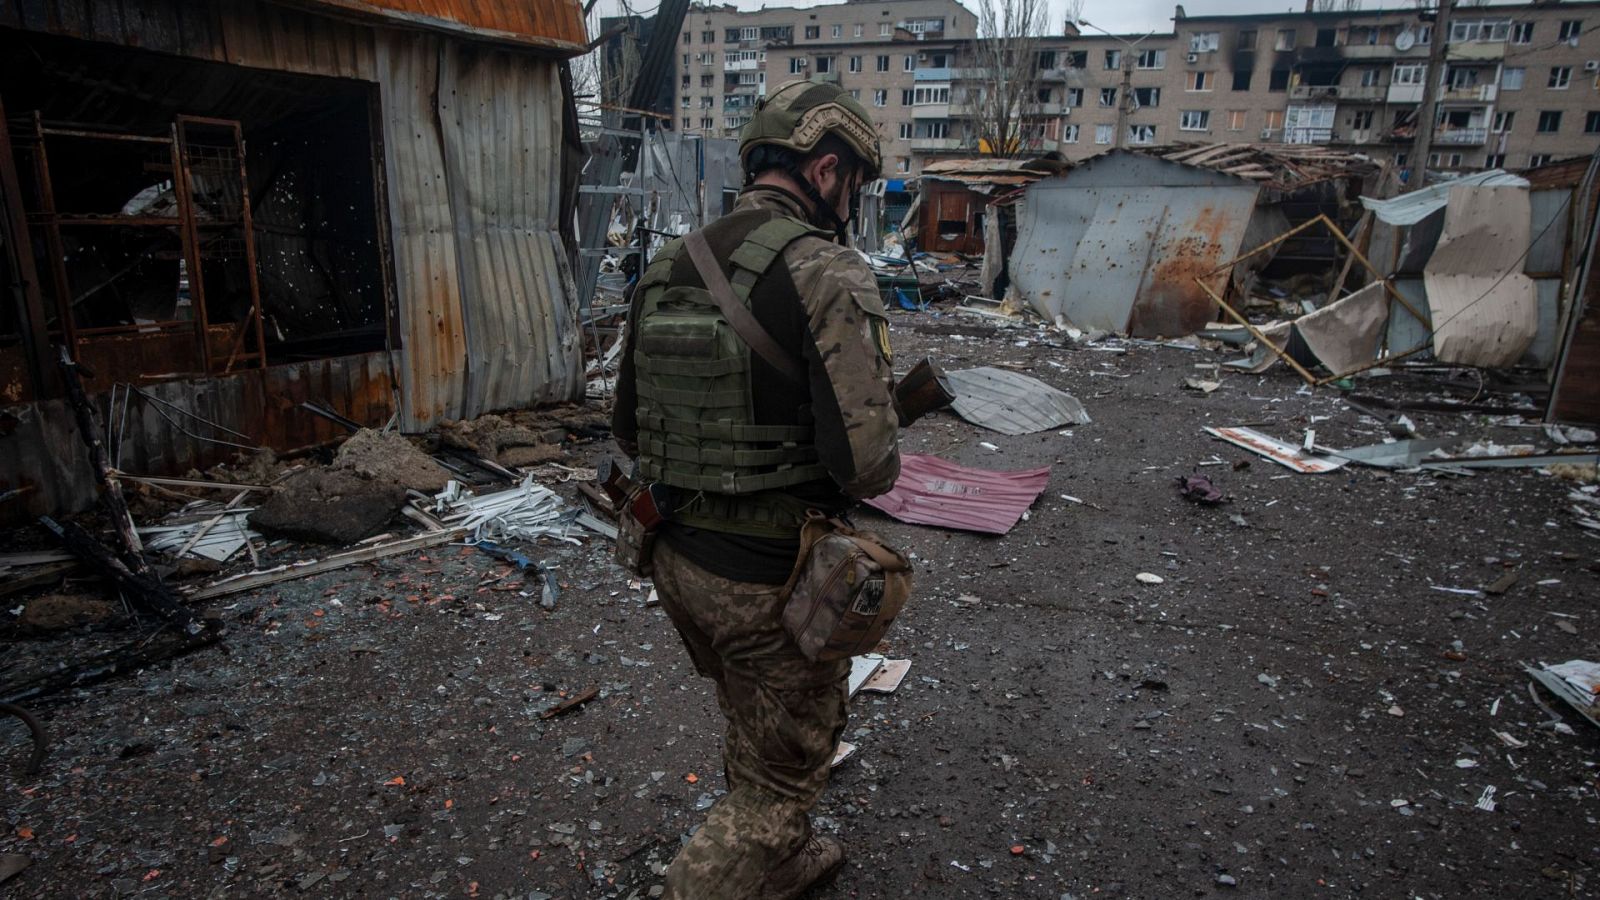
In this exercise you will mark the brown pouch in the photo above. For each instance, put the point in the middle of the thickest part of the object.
(846, 589)
(636, 540)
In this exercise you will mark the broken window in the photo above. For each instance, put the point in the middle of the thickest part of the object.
(211, 219)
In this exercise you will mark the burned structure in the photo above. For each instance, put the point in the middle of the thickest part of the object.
(223, 211)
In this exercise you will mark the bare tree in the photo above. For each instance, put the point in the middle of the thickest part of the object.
(1007, 56)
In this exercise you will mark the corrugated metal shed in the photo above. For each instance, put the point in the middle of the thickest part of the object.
(1116, 243)
(472, 115)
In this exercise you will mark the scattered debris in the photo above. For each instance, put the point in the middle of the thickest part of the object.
(387, 456)
(1576, 681)
(1012, 403)
(1199, 489)
(525, 512)
(329, 506)
(1279, 452)
(933, 491)
(1149, 578)
(571, 703)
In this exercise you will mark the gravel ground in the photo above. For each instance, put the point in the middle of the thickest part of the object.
(1296, 711)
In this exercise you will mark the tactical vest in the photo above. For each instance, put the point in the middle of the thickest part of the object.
(696, 412)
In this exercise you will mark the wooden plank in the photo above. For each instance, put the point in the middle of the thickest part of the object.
(249, 581)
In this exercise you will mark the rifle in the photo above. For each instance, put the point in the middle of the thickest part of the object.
(921, 391)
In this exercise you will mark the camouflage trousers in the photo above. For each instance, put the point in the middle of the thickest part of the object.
(784, 716)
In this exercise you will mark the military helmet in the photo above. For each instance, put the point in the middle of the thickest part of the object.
(799, 113)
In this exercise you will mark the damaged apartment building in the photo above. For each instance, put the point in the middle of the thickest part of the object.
(225, 213)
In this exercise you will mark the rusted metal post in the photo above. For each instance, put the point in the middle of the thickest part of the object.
(35, 326)
(183, 186)
(52, 239)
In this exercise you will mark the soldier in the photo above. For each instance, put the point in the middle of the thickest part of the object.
(747, 438)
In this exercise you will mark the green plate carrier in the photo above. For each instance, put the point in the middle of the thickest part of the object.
(697, 430)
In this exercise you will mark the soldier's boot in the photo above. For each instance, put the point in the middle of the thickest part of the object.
(816, 863)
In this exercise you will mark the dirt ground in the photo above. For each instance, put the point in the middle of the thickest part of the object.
(1297, 711)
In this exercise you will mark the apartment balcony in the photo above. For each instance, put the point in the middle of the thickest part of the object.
(1307, 135)
(1405, 93)
(1478, 93)
(931, 111)
(1317, 55)
(1383, 51)
(1353, 92)
(1475, 51)
(1045, 109)
(935, 145)
(1314, 92)
(1359, 93)
(740, 65)
(1040, 145)
(941, 74)
(825, 77)
(1461, 137)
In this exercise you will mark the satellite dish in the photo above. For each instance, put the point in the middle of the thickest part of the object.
(1405, 40)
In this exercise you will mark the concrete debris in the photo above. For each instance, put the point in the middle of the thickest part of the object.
(381, 456)
(500, 440)
(329, 506)
(51, 613)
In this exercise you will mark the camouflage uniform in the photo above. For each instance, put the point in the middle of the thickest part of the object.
(784, 713)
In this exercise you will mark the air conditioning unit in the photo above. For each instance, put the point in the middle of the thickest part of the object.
(1592, 65)
(922, 57)
(1193, 57)
(802, 62)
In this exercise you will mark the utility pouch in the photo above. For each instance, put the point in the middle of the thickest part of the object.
(637, 522)
(846, 589)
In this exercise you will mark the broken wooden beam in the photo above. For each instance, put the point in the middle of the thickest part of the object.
(143, 589)
(252, 580)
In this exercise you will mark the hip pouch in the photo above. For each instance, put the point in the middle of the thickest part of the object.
(637, 522)
(846, 589)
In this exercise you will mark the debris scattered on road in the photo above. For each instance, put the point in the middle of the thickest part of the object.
(1279, 452)
(1012, 403)
(1199, 489)
(934, 491)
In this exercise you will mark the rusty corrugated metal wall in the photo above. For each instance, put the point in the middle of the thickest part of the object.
(471, 135)
(433, 351)
(552, 24)
(498, 116)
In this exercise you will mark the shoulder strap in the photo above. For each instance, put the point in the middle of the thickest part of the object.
(737, 314)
